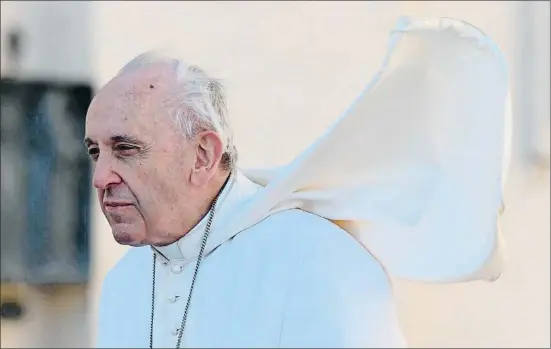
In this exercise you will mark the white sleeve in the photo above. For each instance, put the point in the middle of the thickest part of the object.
(341, 298)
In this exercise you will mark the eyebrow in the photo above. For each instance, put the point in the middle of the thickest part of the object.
(117, 139)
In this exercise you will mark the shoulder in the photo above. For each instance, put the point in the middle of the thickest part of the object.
(312, 234)
(302, 227)
(319, 246)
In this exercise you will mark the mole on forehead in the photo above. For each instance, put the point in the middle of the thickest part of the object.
(142, 87)
(147, 84)
(145, 89)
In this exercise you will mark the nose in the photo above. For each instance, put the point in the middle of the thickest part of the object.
(104, 175)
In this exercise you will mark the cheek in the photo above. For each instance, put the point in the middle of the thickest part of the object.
(155, 187)
(159, 180)
(165, 188)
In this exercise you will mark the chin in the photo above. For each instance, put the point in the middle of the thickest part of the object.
(128, 239)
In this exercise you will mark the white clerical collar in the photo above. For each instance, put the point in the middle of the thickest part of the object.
(237, 191)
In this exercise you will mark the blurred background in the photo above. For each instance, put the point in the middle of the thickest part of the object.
(291, 68)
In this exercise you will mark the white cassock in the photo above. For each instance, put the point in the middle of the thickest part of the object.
(407, 183)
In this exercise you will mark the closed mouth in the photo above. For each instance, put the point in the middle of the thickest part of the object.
(116, 204)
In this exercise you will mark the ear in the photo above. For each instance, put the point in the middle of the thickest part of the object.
(207, 157)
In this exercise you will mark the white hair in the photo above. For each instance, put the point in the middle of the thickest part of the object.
(199, 102)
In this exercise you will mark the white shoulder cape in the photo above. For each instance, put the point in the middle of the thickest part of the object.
(414, 170)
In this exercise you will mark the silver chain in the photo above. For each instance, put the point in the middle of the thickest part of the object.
(199, 259)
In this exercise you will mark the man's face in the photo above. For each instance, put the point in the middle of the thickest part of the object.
(142, 163)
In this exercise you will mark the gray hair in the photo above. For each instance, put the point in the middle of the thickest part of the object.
(199, 102)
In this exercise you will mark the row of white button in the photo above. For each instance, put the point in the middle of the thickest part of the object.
(176, 269)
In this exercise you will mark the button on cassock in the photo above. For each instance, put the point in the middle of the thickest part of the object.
(177, 269)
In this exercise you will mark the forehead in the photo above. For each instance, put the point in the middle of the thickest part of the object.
(135, 103)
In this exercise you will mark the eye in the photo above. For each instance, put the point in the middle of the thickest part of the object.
(126, 149)
(93, 152)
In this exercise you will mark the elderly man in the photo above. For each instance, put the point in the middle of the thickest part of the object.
(223, 257)
(168, 183)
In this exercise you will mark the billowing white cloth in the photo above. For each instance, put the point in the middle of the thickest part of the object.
(414, 169)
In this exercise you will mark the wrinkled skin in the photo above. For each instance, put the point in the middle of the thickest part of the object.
(153, 184)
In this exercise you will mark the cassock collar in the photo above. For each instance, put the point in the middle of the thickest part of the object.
(237, 192)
